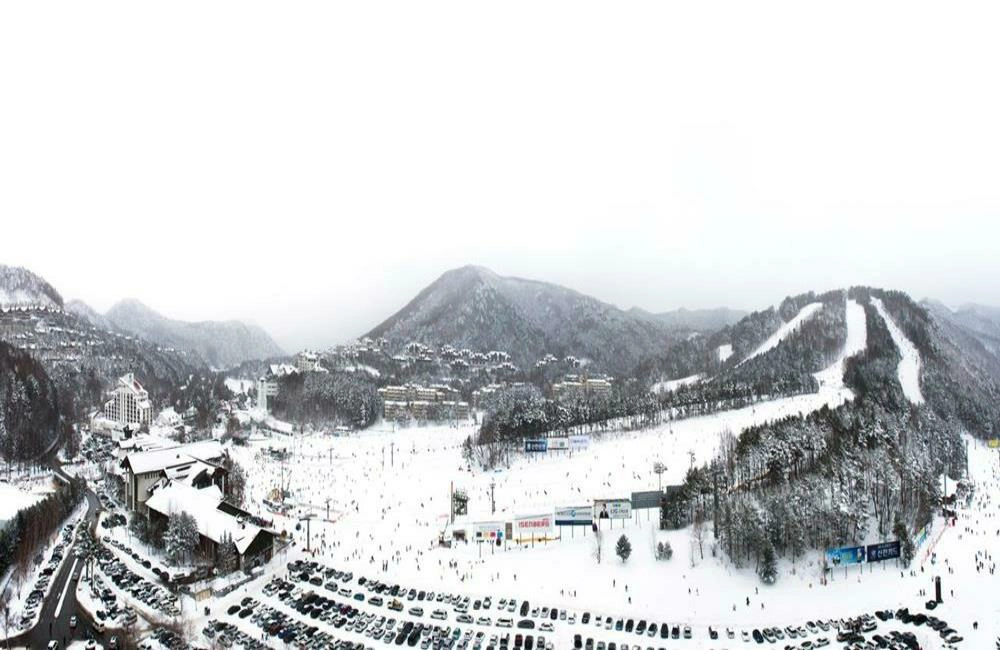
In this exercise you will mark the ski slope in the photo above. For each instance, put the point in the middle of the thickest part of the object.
(909, 365)
(724, 351)
(673, 384)
(782, 333)
(832, 377)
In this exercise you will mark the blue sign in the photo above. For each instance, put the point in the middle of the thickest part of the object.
(844, 556)
(883, 551)
(540, 444)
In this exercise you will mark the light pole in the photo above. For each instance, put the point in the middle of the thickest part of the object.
(493, 501)
(658, 469)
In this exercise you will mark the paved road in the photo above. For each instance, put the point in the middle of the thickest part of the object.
(53, 624)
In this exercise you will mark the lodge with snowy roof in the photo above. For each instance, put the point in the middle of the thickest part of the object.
(218, 521)
(196, 464)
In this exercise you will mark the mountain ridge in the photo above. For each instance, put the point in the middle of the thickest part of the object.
(472, 306)
(221, 344)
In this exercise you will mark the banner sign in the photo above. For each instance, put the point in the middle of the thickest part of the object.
(489, 531)
(843, 556)
(883, 551)
(539, 445)
(574, 516)
(612, 508)
(920, 537)
(994, 443)
(579, 443)
(533, 527)
(558, 444)
(650, 499)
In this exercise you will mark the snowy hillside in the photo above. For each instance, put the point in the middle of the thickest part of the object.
(221, 344)
(20, 288)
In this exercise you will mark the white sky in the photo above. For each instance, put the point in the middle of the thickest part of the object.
(311, 166)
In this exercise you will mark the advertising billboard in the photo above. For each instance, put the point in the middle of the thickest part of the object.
(489, 531)
(536, 445)
(579, 443)
(994, 443)
(558, 444)
(650, 499)
(612, 508)
(533, 527)
(847, 555)
(883, 551)
(574, 516)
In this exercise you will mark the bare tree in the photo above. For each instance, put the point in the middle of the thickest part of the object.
(698, 531)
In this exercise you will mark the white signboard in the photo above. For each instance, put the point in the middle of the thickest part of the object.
(612, 508)
(579, 443)
(558, 444)
(533, 527)
(488, 531)
(574, 516)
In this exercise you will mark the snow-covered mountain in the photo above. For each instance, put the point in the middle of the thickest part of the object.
(89, 314)
(980, 321)
(20, 288)
(473, 307)
(221, 344)
(695, 320)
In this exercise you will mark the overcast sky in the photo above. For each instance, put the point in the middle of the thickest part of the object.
(311, 166)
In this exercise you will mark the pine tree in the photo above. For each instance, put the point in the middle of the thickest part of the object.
(623, 548)
(228, 557)
(181, 538)
(906, 550)
(767, 568)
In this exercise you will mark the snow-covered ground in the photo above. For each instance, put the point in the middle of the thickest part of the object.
(673, 384)
(782, 332)
(374, 519)
(22, 494)
(724, 351)
(909, 364)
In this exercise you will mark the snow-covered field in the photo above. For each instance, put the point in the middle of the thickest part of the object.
(782, 332)
(393, 515)
(909, 364)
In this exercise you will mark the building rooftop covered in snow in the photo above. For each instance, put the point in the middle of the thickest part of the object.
(218, 521)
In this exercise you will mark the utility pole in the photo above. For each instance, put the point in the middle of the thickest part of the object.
(392, 454)
(493, 501)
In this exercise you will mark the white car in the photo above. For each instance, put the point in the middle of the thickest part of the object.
(546, 627)
(484, 620)
(439, 614)
(505, 622)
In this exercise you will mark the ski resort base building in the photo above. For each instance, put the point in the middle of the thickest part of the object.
(197, 464)
(218, 521)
